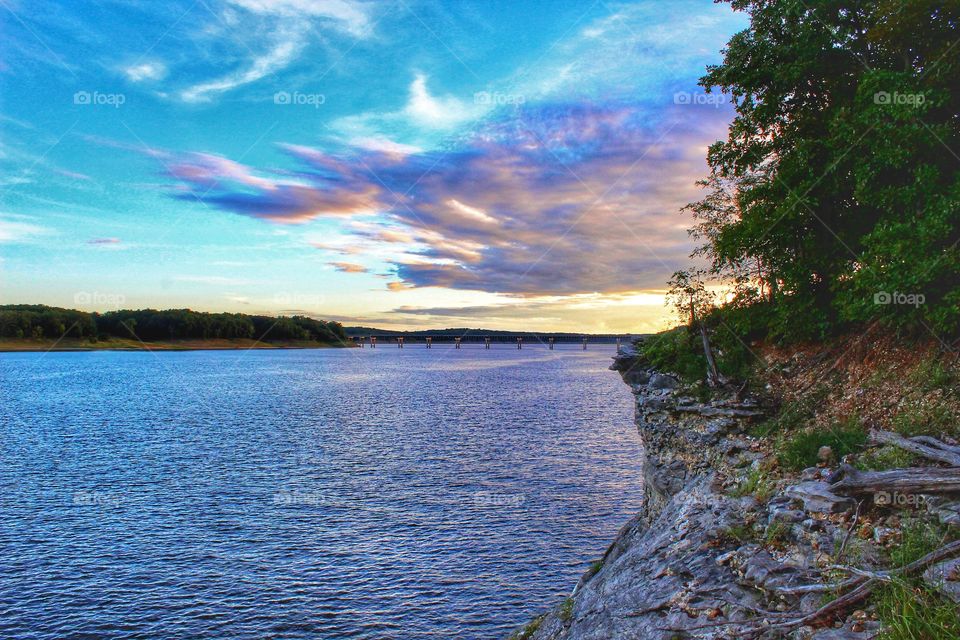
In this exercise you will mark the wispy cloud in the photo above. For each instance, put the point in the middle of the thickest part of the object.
(273, 34)
(17, 229)
(345, 14)
(212, 280)
(277, 57)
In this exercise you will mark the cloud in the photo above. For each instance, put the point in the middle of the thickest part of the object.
(212, 280)
(15, 229)
(277, 57)
(344, 14)
(274, 33)
(349, 267)
(430, 111)
(145, 71)
(557, 199)
(470, 212)
(103, 241)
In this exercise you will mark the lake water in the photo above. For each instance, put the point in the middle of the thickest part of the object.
(374, 493)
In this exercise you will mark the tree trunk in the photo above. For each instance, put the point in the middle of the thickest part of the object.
(713, 374)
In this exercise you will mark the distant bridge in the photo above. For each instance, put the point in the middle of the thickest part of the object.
(514, 341)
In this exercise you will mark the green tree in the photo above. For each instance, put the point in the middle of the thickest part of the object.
(840, 175)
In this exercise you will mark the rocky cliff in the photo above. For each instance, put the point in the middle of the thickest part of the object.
(715, 554)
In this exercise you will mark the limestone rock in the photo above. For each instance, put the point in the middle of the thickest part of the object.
(817, 498)
(660, 381)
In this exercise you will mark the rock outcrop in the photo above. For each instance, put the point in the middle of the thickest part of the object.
(689, 565)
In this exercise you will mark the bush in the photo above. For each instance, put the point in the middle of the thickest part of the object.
(676, 352)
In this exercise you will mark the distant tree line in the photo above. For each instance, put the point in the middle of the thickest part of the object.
(41, 321)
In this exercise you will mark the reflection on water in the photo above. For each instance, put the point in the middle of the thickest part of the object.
(376, 493)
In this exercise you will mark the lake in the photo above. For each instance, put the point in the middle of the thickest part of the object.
(341, 493)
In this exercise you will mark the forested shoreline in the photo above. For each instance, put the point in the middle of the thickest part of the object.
(41, 322)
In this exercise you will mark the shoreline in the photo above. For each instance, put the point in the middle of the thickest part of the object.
(35, 346)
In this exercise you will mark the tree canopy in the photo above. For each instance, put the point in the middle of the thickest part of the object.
(836, 196)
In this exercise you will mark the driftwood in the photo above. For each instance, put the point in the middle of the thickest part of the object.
(914, 480)
(923, 446)
(865, 583)
(936, 443)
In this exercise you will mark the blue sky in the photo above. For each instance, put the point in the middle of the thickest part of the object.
(409, 164)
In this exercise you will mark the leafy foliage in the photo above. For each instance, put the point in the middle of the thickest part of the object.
(839, 182)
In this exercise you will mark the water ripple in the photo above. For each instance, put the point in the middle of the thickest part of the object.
(305, 494)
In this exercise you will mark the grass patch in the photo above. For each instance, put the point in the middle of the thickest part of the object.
(913, 612)
(919, 538)
(758, 484)
(527, 632)
(800, 450)
(595, 568)
(932, 374)
(566, 610)
(738, 533)
(793, 415)
(884, 458)
(927, 419)
(776, 535)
